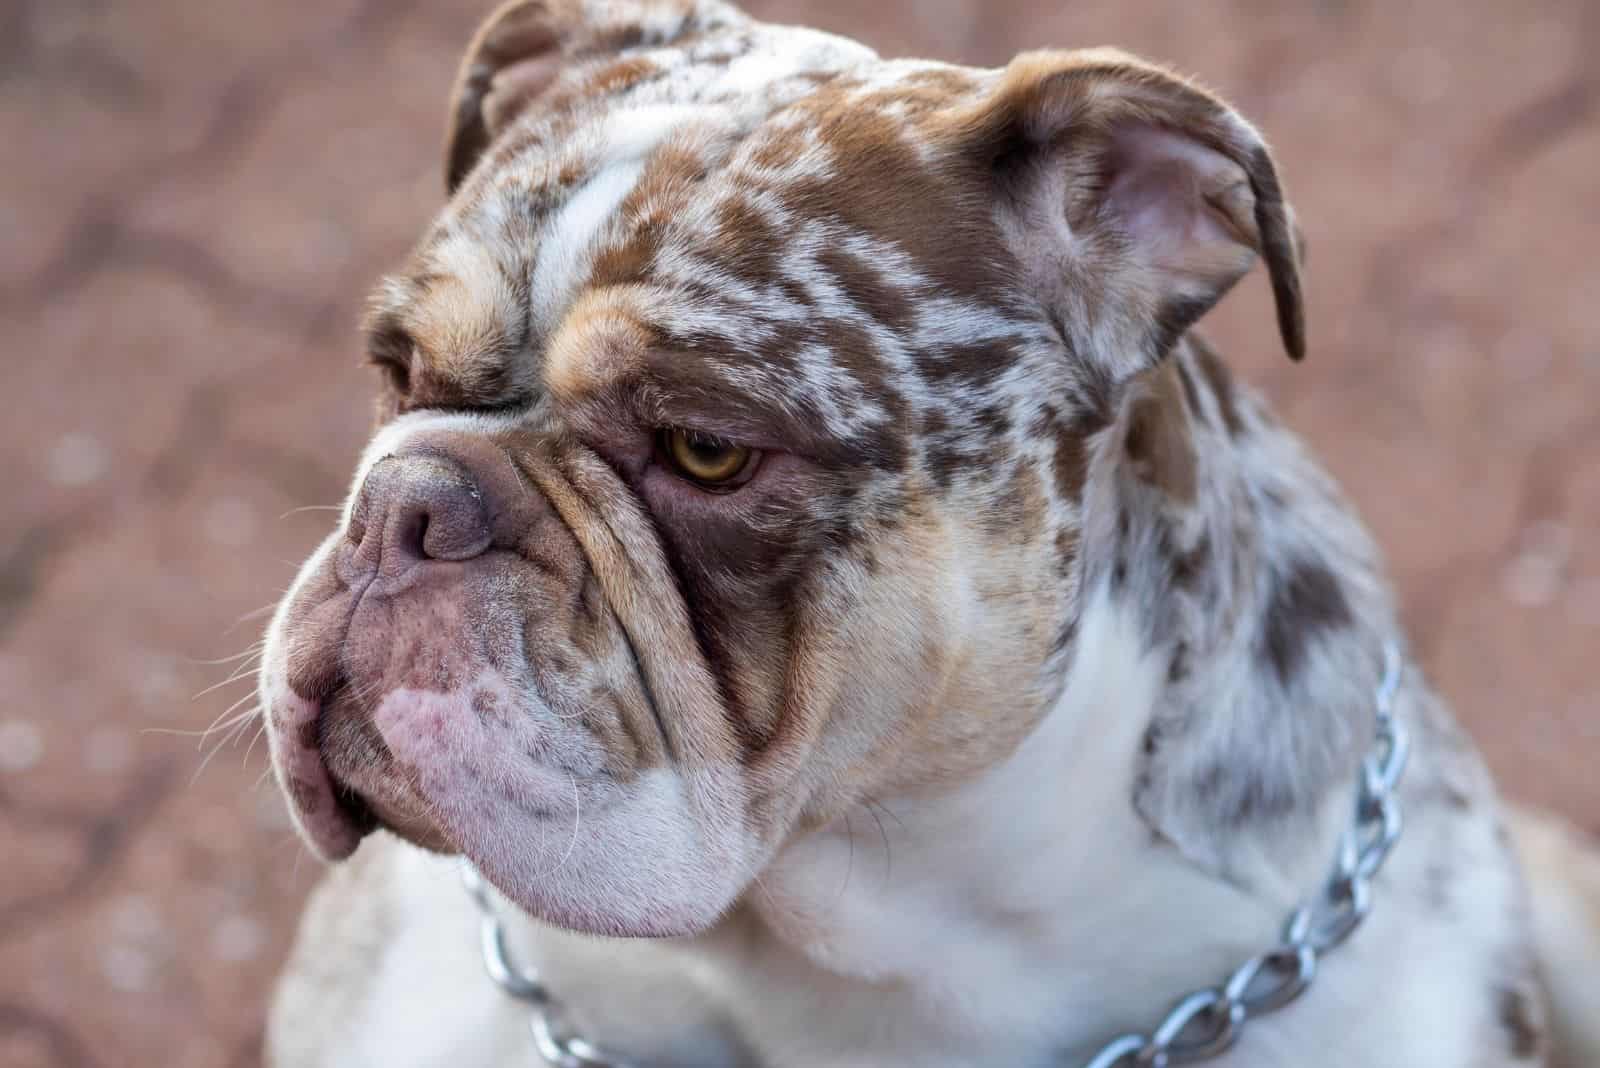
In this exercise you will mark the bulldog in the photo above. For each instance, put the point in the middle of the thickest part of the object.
(811, 568)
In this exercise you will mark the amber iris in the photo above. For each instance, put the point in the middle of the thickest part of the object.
(705, 459)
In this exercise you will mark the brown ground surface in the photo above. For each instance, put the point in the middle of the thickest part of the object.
(196, 192)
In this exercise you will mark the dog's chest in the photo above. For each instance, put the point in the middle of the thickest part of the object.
(1407, 992)
(1417, 986)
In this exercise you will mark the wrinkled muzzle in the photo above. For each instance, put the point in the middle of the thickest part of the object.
(448, 666)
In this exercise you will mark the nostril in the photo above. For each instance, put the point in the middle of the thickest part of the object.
(411, 533)
(422, 506)
(356, 530)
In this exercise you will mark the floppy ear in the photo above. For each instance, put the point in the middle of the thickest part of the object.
(514, 56)
(526, 45)
(1133, 199)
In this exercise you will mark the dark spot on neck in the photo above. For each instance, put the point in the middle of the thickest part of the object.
(1519, 1017)
(1305, 603)
(1244, 795)
(1189, 566)
(1178, 666)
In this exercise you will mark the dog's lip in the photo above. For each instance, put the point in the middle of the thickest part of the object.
(373, 812)
(354, 807)
(372, 796)
(303, 776)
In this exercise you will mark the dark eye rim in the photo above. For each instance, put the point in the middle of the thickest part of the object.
(398, 375)
(664, 457)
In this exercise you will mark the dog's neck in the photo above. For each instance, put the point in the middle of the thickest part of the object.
(1180, 795)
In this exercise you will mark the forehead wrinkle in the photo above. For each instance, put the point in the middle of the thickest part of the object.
(467, 303)
(598, 348)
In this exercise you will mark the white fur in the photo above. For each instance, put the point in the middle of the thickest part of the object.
(568, 236)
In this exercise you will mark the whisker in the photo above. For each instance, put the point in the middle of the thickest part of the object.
(888, 851)
(206, 760)
(261, 730)
(577, 816)
(850, 860)
(251, 616)
(223, 720)
(254, 649)
(312, 508)
(246, 671)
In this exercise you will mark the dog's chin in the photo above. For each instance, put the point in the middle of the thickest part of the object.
(577, 899)
(651, 857)
(591, 877)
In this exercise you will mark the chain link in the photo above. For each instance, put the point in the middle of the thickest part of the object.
(553, 1037)
(1207, 1023)
(1202, 1025)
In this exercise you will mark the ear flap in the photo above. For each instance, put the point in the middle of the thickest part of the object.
(525, 46)
(1135, 197)
(515, 55)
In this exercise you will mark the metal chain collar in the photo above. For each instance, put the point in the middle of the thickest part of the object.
(1201, 1025)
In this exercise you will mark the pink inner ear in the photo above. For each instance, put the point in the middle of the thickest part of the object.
(1179, 202)
(515, 85)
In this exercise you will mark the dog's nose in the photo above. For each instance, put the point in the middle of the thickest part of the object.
(418, 507)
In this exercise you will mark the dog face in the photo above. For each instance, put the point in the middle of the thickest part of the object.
(738, 412)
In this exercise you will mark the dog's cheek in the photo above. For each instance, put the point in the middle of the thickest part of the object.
(945, 611)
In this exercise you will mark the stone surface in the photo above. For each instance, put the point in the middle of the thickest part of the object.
(197, 192)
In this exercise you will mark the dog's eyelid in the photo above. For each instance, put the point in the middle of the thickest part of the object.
(519, 402)
(395, 369)
(701, 437)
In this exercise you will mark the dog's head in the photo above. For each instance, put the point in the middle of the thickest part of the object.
(738, 412)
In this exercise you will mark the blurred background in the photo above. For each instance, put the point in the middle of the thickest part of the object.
(196, 194)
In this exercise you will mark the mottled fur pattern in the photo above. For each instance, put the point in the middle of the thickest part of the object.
(1021, 689)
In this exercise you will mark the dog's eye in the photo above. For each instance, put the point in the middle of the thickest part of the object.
(397, 374)
(390, 350)
(708, 461)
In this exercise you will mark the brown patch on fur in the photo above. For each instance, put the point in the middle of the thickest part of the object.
(600, 344)
(669, 176)
(1071, 462)
(613, 78)
(1158, 442)
(1021, 508)
(885, 182)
